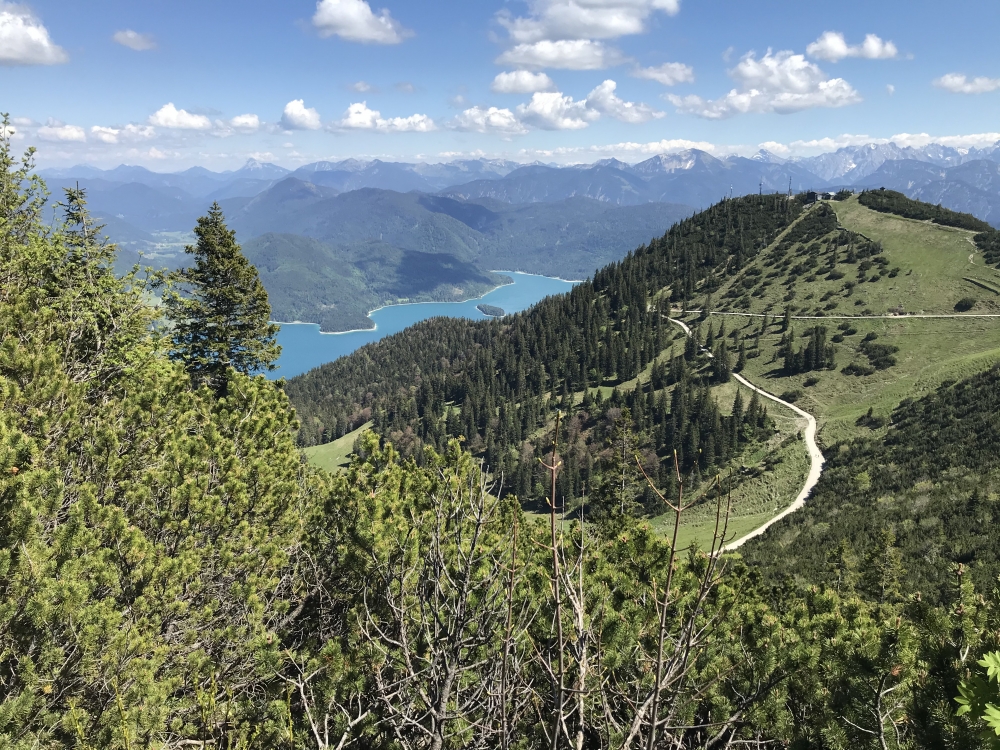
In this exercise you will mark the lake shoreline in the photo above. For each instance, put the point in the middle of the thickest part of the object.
(304, 350)
(401, 304)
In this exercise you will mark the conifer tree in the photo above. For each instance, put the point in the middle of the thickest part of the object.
(618, 488)
(222, 316)
(741, 360)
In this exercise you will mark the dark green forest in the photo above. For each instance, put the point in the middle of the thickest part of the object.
(173, 574)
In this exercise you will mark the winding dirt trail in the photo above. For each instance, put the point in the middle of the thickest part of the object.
(808, 434)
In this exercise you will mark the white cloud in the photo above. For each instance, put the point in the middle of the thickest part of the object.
(780, 149)
(583, 19)
(105, 135)
(604, 100)
(411, 124)
(134, 40)
(355, 21)
(832, 46)
(491, 120)
(299, 117)
(405, 87)
(960, 84)
(129, 133)
(780, 82)
(24, 40)
(972, 140)
(577, 54)
(521, 82)
(359, 117)
(155, 153)
(915, 140)
(246, 123)
(56, 131)
(361, 87)
(168, 116)
(556, 111)
(890, 89)
(669, 74)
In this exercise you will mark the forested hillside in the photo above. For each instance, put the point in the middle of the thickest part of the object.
(173, 574)
(497, 382)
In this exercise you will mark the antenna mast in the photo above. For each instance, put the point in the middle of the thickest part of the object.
(789, 186)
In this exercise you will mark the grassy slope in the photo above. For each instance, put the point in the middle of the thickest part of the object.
(931, 351)
(336, 455)
(934, 262)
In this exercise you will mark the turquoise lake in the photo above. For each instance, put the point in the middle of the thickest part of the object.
(303, 347)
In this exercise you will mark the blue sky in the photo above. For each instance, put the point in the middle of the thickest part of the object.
(174, 84)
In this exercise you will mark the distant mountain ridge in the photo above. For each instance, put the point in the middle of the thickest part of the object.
(691, 177)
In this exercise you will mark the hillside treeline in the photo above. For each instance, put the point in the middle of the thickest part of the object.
(893, 202)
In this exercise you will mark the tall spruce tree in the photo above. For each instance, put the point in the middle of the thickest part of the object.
(221, 315)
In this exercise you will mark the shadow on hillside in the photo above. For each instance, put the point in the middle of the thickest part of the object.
(424, 272)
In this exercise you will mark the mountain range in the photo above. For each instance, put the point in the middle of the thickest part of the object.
(351, 228)
(156, 202)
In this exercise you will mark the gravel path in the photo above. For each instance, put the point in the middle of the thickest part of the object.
(808, 434)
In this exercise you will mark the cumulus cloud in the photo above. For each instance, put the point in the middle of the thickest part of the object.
(553, 110)
(405, 87)
(832, 46)
(521, 82)
(24, 40)
(247, 123)
(359, 117)
(489, 120)
(960, 84)
(355, 21)
(669, 74)
(780, 149)
(587, 19)
(129, 133)
(556, 111)
(299, 117)
(780, 82)
(105, 135)
(362, 87)
(604, 100)
(57, 131)
(134, 40)
(567, 54)
(168, 116)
